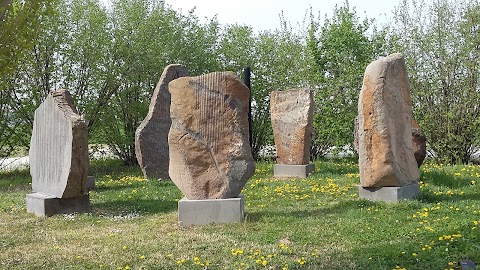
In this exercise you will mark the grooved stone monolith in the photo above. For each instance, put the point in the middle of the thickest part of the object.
(151, 137)
(386, 156)
(210, 155)
(58, 157)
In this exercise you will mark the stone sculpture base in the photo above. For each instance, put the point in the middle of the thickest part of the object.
(389, 194)
(284, 170)
(202, 212)
(47, 205)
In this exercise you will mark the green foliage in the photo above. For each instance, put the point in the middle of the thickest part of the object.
(341, 49)
(276, 59)
(111, 59)
(441, 45)
(21, 22)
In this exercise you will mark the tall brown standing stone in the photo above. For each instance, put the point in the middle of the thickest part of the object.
(292, 119)
(210, 155)
(419, 141)
(151, 137)
(386, 156)
(58, 158)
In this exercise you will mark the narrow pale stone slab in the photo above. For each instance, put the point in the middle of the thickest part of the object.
(292, 123)
(59, 148)
(151, 137)
(210, 211)
(44, 205)
(389, 194)
(285, 170)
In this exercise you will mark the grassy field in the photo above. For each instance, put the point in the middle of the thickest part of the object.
(314, 223)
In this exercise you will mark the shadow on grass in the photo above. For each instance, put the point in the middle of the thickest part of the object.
(339, 208)
(114, 167)
(139, 206)
(152, 184)
(430, 197)
(442, 178)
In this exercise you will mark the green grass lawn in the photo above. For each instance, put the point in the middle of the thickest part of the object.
(313, 223)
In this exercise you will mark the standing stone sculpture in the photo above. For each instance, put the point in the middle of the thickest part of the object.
(210, 155)
(292, 122)
(386, 156)
(151, 137)
(58, 158)
(419, 141)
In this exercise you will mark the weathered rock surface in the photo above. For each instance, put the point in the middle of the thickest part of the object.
(210, 155)
(419, 142)
(385, 125)
(292, 120)
(59, 148)
(151, 137)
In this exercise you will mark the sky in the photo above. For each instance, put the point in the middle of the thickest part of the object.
(264, 14)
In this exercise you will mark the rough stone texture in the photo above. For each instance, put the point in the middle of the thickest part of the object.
(386, 156)
(59, 148)
(210, 155)
(292, 119)
(151, 137)
(419, 142)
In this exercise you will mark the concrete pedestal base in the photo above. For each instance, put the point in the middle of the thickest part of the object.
(46, 205)
(202, 212)
(285, 170)
(389, 194)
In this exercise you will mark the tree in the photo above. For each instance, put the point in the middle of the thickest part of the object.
(441, 46)
(341, 50)
(21, 24)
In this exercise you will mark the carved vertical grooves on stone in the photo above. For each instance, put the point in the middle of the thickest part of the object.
(59, 148)
(209, 157)
(209, 95)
